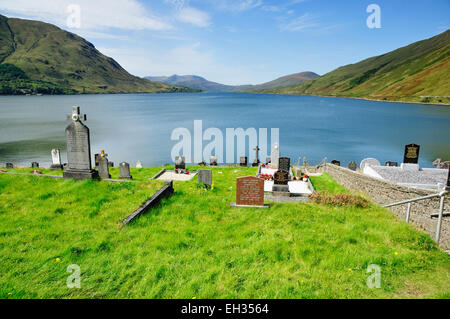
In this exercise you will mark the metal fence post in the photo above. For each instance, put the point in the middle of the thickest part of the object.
(408, 213)
(439, 224)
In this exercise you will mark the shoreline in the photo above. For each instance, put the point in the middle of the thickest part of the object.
(350, 97)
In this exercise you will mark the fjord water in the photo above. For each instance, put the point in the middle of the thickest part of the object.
(132, 127)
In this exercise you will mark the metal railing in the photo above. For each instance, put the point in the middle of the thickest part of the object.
(442, 195)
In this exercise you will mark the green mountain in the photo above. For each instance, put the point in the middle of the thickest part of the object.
(288, 80)
(197, 82)
(416, 73)
(38, 57)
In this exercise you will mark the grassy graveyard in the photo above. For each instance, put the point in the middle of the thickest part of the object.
(195, 246)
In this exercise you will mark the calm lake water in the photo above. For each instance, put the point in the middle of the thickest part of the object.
(134, 127)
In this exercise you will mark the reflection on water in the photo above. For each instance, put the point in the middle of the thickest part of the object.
(138, 126)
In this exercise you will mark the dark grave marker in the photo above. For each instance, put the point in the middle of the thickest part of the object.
(391, 164)
(213, 160)
(205, 177)
(9, 165)
(411, 154)
(284, 164)
(244, 161)
(180, 163)
(35, 165)
(268, 160)
(125, 171)
(78, 148)
(352, 166)
(281, 183)
(256, 162)
(335, 162)
(448, 181)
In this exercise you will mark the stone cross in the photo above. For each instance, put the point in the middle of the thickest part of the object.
(256, 162)
(76, 116)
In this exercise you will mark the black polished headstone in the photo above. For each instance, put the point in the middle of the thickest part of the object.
(180, 162)
(281, 177)
(411, 154)
(391, 164)
(337, 163)
(35, 165)
(284, 164)
(244, 161)
(9, 165)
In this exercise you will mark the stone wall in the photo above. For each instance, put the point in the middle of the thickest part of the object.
(384, 193)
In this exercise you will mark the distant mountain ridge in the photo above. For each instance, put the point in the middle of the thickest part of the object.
(37, 57)
(419, 72)
(200, 83)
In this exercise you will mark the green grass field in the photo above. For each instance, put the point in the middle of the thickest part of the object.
(195, 246)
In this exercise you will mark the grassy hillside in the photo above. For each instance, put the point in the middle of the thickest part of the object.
(195, 245)
(52, 56)
(288, 80)
(415, 73)
(197, 82)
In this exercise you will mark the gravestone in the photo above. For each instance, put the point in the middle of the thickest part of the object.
(180, 162)
(78, 148)
(110, 164)
(125, 171)
(56, 160)
(281, 183)
(411, 154)
(335, 162)
(369, 162)
(448, 181)
(268, 160)
(284, 164)
(35, 165)
(391, 164)
(9, 165)
(103, 167)
(138, 164)
(256, 161)
(96, 160)
(213, 160)
(249, 192)
(352, 166)
(205, 177)
(244, 161)
(275, 156)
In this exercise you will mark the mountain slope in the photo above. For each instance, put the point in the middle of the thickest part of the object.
(48, 54)
(197, 82)
(194, 82)
(288, 80)
(416, 73)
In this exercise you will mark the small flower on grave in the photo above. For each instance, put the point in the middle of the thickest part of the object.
(350, 269)
(58, 260)
(396, 253)
(187, 172)
(9, 293)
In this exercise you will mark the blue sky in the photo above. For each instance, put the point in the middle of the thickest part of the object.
(239, 41)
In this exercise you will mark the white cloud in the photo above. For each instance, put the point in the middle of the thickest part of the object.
(237, 5)
(301, 23)
(98, 14)
(194, 16)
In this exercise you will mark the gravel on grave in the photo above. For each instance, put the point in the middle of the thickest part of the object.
(172, 176)
(425, 176)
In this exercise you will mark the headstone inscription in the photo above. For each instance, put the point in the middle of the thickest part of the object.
(275, 156)
(205, 177)
(244, 161)
(411, 154)
(335, 162)
(256, 162)
(35, 165)
(281, 183)
(213, 160)
(9, 165)
(56, 160)
(250, 191)
(352, 166)
(125, 171)
(103, 167)
(284, 164)
(78, 148)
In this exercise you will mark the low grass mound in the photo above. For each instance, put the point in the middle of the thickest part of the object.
(195, 245)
